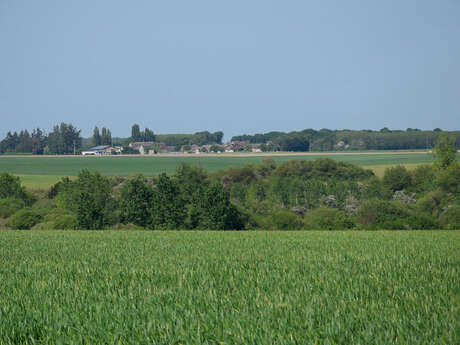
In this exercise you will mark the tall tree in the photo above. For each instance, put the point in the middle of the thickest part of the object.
(168, 209)
(64, 139)
(148, 135)
(106, 137)
(136, 202)
(96, 136)
(445, 150)
(136, 133)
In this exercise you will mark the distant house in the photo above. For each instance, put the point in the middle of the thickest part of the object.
(237, 146)
(100, 150)
(144, 148)
(152, 147)
(256, 148)
(195, 149)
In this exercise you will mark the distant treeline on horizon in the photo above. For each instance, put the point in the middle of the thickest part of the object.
(66, 139)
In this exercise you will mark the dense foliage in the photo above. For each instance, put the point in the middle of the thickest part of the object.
(294, 194)
(63, 139)
(101, 138)
(138, 135)
(199, 138)
(337, 140)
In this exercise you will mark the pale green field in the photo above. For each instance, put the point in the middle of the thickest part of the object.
(46, 181)
(42, 172)
(39, 181)
(153, 287)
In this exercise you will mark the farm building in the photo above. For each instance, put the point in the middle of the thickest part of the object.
(102, 150)
(146, 147)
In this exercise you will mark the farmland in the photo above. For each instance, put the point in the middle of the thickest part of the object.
(41, 172)
(230, 287)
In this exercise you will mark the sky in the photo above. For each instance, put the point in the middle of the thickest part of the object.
(252, 66)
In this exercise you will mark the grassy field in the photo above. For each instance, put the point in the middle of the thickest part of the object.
(149, 166)
(229, 287)
(42, 172)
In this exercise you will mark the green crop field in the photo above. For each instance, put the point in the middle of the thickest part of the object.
(150, 166)
(146, 287)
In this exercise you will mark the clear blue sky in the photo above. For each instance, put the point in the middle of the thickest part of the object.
(237, 66)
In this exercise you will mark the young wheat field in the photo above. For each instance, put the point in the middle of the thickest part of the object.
(146, 287)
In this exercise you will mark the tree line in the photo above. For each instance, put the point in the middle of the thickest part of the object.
(66, 139)
(63, 139)
(336, 140)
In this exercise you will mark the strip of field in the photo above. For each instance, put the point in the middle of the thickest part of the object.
(229, 287)
(150, 166)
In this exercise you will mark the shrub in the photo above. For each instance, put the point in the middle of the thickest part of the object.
(217, 212)
(396, 178)
(423, 178)
(128, 226)
(381, 214)
(450, 218)
(325, 218)
(54, 190)
(431, 203)
(43, 226)
(266, 167)
(10, 206)
(422, 222)
(61, 219)
(168, 210)
(448, 179)
(24, 219)
(321, 168)
(282, 220)
(10, 187)
(136, 202)
(90, 197)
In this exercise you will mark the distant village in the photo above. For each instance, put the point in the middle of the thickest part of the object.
(153, 148)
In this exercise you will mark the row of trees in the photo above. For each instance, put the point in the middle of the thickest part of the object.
(329, 140)
(138, 135)
(66, 139)
(63, 139)
(24, 141)
(198, 138)
(103, 138)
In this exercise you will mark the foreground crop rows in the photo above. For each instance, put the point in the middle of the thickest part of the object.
(229, 288)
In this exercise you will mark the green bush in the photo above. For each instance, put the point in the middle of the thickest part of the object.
(90, 197)
(325, 218)
(431, 203)
(396, 178)
(381, 214)
(282, 220)
(10, 206)
(54, 190)
(25, 219)
(423, 178)
(136, 202)
(448, 179)
(450, 218)
(61, 219)
(129, 226)
(168, 210)
(43, 226)
(10, 187)
(422, 222)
